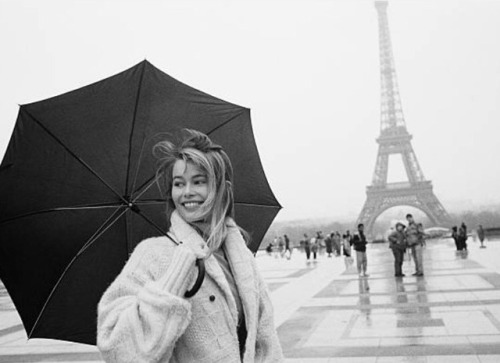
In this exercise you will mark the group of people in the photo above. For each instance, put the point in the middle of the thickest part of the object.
(280, 246)
(459, 235)
(336, 244)
(404, 237)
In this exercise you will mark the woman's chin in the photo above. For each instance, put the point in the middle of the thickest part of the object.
(191, 216)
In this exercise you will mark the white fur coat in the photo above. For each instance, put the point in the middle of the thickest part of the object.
(144, 317)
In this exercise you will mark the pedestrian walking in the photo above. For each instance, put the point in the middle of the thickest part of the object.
(359, 243)
(144, 315)
(288, 250)
(480, 235)
(307, 246)
(287, 243)
(415, 237)
(329, 244)
(397, 240)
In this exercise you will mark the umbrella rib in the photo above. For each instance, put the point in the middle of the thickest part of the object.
(150, 202)
(224, 123)
(60, 209)
(257, 205)
(91, 240)
(145, 187)
(74, 155)
(157, 227)
(98, 233)
(139, 88)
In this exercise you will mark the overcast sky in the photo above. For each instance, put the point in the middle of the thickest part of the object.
(309, 72)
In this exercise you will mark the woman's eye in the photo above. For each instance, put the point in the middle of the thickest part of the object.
(200, 182)
(178, 184)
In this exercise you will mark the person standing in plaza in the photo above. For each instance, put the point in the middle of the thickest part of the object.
(337, 242)
(329, 244)
(415, 237)
(314, 247)
(144, 315)
(287, 243)
(346, 249)
(359, 243)
(480, 235)
(281, 247)
(320, 241)
(307, 246)
(462, 237)
(397, 240)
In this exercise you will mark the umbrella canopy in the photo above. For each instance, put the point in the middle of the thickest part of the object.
(78, 193)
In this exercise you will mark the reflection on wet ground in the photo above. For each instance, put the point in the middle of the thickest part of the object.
(452, 313)
(327, 314)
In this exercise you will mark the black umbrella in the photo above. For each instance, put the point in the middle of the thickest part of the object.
(77, 190)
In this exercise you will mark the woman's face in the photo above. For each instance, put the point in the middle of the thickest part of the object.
(189, 189)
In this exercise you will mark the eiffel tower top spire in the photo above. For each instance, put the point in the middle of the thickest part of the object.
(392, 122)
(394, 139)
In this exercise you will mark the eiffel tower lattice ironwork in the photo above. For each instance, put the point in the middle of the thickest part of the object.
(395, 139)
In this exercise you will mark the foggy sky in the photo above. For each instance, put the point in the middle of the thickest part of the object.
(309, 72)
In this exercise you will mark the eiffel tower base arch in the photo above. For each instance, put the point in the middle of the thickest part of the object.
(419, 195)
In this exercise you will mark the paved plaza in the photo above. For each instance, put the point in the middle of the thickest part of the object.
(325, 313)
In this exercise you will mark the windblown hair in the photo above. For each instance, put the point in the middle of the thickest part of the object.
(197, 148)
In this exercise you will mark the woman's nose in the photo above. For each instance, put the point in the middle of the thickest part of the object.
(188, 189)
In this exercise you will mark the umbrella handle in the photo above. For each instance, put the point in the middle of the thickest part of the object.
(199, 280)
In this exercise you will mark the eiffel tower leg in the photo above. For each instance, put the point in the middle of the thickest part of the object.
(369, 213)
(434, 209)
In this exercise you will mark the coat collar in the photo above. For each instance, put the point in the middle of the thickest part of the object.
(239, 258)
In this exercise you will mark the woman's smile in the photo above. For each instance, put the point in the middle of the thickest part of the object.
(191, 205)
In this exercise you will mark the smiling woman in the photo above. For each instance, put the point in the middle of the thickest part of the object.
(145, 317)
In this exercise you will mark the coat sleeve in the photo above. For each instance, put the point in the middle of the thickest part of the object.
(267, 344)
(142, 314)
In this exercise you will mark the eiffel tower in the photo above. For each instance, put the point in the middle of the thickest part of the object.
(395, 139)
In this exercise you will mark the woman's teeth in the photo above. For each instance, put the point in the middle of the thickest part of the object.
(191, 204)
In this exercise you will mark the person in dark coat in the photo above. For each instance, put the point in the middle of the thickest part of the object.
(328, 244)
(307, 246)
(359, 243)
(397, 240)
(287, 243)
(462, 237)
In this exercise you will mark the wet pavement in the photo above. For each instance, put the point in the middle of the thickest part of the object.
(325, 313)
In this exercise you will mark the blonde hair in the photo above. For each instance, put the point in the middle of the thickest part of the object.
(197, 148)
